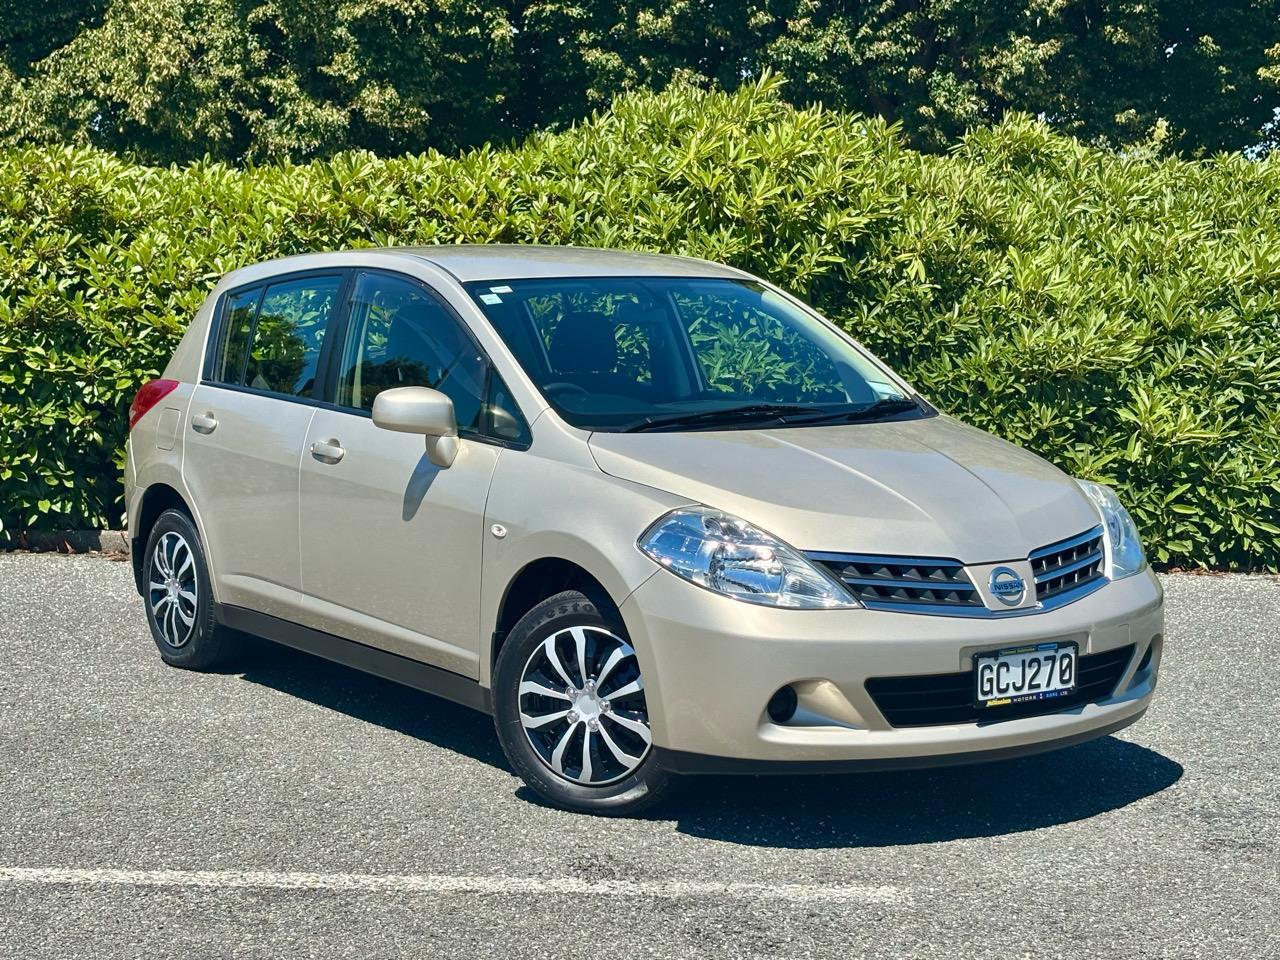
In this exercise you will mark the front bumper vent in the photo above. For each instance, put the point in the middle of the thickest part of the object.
(942, 698)
(903, 583)
(1069, 566)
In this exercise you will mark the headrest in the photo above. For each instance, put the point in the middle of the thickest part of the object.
(584, 342)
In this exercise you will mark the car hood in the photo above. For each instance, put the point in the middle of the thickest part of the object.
(931, 488)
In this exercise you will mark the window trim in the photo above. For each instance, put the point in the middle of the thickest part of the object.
(214, 345)
(332, 373)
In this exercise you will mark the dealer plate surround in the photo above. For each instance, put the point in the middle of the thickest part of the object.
(1040, 671)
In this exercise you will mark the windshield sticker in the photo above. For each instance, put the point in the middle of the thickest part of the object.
(490, 298)
(500, 289)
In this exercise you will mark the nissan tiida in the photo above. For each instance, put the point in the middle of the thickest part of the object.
(654, 514)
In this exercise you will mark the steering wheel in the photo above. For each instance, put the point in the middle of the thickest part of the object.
(562, 386)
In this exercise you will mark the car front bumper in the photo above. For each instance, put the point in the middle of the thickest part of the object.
(711, 665)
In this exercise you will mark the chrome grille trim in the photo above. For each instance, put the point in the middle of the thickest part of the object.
(1057, 545)
(1064, 571)
(1068, 565)
(904, 583)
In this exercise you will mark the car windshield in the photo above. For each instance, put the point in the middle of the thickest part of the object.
(658, 353)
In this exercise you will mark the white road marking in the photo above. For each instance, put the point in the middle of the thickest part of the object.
(444, 884)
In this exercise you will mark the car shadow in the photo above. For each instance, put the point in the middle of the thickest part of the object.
(923, 806)
(796, 812)
(373, 700)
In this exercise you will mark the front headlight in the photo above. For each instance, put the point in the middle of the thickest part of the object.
(723, 553)
(1123, 548)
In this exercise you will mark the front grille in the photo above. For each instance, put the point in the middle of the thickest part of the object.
(903, 583)
(1068, 565)
(1063, 572)
(941, 698)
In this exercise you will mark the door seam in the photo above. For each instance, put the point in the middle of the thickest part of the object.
(302, 453)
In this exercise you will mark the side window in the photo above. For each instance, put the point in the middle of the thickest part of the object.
(289, 333)
(402, 336)
(237, 328)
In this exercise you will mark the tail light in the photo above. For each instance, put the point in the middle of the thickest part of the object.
(152, 392)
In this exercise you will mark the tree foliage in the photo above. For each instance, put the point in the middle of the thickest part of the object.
(1183, 73)
(266, 80)
(1118, 314)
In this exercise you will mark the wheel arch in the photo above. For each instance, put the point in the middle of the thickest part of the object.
(156, 499)
(537, 580)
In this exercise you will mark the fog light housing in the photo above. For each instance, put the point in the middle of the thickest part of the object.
(782, 705)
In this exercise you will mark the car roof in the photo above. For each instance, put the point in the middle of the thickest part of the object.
(504, 261)
(501, 261)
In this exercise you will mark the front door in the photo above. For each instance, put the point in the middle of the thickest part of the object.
(391, 543)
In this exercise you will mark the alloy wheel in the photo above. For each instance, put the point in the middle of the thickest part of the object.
(582, 706)
(172, 593)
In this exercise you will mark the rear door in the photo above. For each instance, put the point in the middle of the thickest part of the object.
(245, 428)
(391, 543)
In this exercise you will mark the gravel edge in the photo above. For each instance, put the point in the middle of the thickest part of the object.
(68, 541)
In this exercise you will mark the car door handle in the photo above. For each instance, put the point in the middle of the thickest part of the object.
(204, 423)
(327, 451)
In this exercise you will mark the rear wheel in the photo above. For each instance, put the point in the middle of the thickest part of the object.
(570, 709)
(179, 602)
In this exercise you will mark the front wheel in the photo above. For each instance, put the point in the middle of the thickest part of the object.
(570, 709)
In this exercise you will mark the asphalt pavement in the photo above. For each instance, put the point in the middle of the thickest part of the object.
(299, 809)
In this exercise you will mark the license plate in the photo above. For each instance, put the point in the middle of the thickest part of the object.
(1039, 672)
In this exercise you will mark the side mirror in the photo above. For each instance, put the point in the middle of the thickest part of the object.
(423, 411)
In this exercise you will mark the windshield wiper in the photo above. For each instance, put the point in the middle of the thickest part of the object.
(874, 411)
(751, 413)
(784, 413)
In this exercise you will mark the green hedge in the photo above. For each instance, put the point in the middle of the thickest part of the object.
(1117, 314)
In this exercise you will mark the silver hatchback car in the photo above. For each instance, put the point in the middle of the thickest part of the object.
(654, 514)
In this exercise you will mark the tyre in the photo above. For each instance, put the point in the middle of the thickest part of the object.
(179, 602)
(570, 710)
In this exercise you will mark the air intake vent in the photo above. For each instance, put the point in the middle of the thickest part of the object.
(942, 698)
(903, 583)
(1068, 566)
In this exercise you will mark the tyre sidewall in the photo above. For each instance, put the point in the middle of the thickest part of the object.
(203, 648)
(641, 788)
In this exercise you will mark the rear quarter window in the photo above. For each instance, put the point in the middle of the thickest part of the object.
(237, 328)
